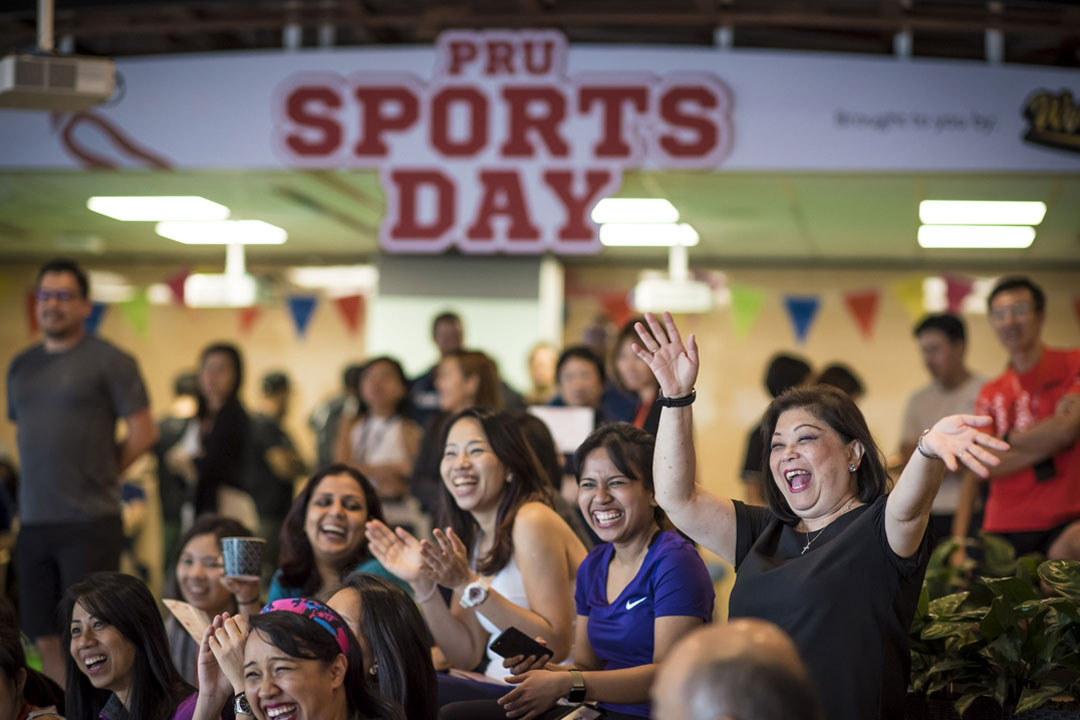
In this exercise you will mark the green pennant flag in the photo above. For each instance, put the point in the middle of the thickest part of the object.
(137, 312)
(746, 303)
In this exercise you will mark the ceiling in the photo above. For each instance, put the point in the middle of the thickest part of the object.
(743, 218)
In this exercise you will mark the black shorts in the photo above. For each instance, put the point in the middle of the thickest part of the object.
(51, 558)
(1036, 540)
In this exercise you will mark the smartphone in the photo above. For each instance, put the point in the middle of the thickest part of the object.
(513, 642)
(583, 712)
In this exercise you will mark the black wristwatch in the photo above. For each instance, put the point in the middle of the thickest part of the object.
(683, 401)
(240, 705)
(577, 687)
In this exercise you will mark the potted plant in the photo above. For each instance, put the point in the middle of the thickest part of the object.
(1001, 645)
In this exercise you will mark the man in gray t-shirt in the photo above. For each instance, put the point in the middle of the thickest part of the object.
(65, 396)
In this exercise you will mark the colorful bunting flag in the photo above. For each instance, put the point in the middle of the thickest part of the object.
(93, 321)
(801, 309)
(351, 308)
(31, 312)
(910, 294)
(746, 303)
(137, 312)
(956, 289)
(863, 307)
(176, 284)
(301, 307)
(247, 317)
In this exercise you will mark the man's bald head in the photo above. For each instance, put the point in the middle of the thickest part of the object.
(744, 670)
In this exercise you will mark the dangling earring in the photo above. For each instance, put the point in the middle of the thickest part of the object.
(374, 669)
(851, 467)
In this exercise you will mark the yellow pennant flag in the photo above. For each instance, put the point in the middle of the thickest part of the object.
(909, 292)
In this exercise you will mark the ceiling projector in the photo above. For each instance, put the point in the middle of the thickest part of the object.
(67, 83)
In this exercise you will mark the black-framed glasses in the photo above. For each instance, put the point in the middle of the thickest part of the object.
(1018, 310)
(61, 295)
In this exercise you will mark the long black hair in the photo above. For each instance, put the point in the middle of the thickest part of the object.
(404, 406)
(298, 568)
(301, 637)
(837, 410)
(37, 689)
(217, 525)
(125, 603)
(233, 353)
(630, 450)
(395, 631)
(529, 482)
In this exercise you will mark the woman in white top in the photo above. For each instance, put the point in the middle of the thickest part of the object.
(382, 442)
(508, 557)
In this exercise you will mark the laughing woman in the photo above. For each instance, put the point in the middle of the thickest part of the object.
(322, 538)
(507, 556)
(837, 559)
(638, 593)
(118, 665)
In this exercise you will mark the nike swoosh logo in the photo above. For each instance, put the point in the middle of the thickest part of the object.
(631, 604)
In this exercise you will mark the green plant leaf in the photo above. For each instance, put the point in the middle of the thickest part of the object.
(945, 629)
(1012, 589)
(948, 664)
(1003, 651)
(1062, 576)
(1027, 568)
(923, 608)
(944, 606)
(965, 701)
(1032, 698)
(999, 557)
(999, 619)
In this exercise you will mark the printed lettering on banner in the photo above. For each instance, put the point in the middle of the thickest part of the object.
(501, 151)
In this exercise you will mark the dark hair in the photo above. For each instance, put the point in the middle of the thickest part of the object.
(399, 372)
(750, 688)
(1014, 282)
(528, 484)
(274, 383)
(62, 265)
(298, 568)
(38, 689)
(125, 603)
(785, 371)
(582, 353)
(837, 410)
(233, 353)
(948, 324)
(350, 377)
(217, 525)
(186, 383)
(301, 637)
(842, 377)
(398, 637)
(626, 333)
(543, 445)
(475, 363)
(630, 450)
(443, 317)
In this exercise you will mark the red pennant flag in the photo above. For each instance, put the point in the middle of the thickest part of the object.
(351, 307)
(248, 316)
(31, 312)
(863, 307)
(616, 307)
(176, 284)
(956, 289)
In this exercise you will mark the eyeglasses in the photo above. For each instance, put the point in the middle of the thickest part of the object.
(61, 295)
(1018, 310)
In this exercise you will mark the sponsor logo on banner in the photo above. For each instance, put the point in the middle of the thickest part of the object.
(501, 151)
(1053, 120)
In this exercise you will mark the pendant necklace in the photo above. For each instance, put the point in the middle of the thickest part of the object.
(809, 540)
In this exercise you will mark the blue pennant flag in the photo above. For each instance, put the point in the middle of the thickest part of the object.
(93, 320)
(801, 309)
(301, 307)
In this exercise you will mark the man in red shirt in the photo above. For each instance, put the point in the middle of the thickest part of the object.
(1034, 499)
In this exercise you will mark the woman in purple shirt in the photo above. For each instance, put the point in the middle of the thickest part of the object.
(637, 594)
(118, 664)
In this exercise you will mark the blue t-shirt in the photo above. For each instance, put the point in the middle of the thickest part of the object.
(371, 566)
(672, 581)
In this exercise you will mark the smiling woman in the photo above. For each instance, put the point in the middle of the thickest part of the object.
(322, 539)
(118, 665)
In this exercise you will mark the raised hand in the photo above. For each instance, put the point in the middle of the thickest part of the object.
(227, 644)
(957, 440)
(397, 551)
(447, 563)
(675, 365)
(214, 686)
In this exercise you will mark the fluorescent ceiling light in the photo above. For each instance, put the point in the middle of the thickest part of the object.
(634, 210)
(165, 207)
(647, 234)
(980, 212)
(223, 232)
(210, 290)
(976, 236)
